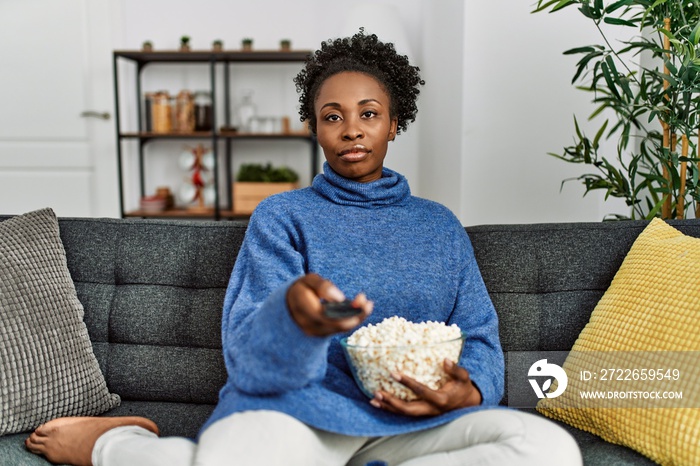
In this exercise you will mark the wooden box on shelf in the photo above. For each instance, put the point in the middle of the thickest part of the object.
(247, 194)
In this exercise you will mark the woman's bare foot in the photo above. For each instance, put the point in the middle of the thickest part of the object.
(69, 440)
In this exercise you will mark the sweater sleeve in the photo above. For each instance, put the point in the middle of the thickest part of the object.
(266, 353)
(475, 315)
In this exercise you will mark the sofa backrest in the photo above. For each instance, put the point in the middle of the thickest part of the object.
(546, 279)
(153, 292)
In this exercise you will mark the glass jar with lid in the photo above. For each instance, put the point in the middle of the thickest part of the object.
(161, 112)
(184, 112)
(203, 120)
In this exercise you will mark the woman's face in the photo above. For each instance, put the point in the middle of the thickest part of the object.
(354, 125)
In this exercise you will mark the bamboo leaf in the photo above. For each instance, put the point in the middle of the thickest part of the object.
(597, 111)
(618, 22)
(667, 33)
(588, 11)
(695, 35)
(561, 157)
(671, 67)
(578, 129)
(576, 50)
(543, 6)
(611, 63)
(651, 8)
(652, 213)
(599, 134)
(609, 78)
(617, 5)
(561, 4)
(583, 63)
(662, 76)
(624, 83)
(653, 193)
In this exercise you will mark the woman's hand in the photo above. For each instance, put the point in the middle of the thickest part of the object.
(458, 392)
(304, 303)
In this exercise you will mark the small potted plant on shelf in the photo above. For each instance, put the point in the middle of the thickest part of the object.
(147, 46)
(217, 45)
(247, 44)
(185, 44)
(255, 182)
(285, 45)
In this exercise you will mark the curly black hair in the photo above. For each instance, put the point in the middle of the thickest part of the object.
(365, 54)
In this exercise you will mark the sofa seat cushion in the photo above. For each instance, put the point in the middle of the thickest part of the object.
(13, 452)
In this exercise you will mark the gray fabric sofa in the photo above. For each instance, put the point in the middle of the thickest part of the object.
(153, 291)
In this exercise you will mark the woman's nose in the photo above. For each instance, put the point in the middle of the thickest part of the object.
(352, 131)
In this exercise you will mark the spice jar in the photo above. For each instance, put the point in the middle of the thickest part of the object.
(202, 111)
(161, 112)
(184, 112)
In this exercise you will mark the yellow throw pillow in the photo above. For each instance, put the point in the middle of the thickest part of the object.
(650, 316)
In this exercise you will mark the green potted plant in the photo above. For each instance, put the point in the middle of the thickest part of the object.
(651, 110)
(185, 44)
(285, 45)
(247, 44)
(147, 46)
(217, 45)
(255, 182)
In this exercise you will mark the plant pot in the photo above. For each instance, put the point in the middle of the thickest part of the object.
(247, 195)
(185, 44)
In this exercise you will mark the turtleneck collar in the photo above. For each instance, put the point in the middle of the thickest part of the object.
(391, 188)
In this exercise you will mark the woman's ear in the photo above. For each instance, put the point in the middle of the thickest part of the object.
(393, 128)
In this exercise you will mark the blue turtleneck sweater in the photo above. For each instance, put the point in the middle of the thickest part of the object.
(410, 256)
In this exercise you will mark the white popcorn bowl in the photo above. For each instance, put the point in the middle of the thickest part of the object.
(372, 366)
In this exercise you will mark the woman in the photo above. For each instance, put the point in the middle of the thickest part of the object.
(357, 231)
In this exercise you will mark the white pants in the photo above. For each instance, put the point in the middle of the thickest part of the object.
(268, 438)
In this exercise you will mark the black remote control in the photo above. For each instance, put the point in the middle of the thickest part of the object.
(340, 310)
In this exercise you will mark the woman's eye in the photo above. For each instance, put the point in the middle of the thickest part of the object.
(369, 114)
(332, 117)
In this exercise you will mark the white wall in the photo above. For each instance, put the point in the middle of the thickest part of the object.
(440, 103)
(498, 96)
(518, 106)
(305, 22)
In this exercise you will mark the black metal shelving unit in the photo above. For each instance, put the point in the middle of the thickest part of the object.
(213, 60)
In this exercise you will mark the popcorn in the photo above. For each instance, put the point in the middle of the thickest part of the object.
(417, 350)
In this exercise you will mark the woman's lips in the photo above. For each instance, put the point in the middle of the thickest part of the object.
(354, 154)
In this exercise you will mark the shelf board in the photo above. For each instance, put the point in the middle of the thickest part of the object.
(186, 213)
(201, 56)
(291, 135)
(208, 134)
(149, 135)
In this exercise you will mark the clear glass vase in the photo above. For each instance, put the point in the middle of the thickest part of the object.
(246, 112)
